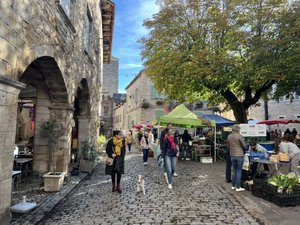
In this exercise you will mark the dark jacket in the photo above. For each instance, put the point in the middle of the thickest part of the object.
(162, 137)
(186, 137)
(167, 149)
(109, 151)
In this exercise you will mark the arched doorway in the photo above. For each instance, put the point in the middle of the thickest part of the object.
(44, 99)
(82, 115)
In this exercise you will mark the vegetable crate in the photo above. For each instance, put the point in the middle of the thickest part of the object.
(270, 193)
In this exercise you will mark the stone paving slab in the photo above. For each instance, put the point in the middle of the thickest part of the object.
(194, 199)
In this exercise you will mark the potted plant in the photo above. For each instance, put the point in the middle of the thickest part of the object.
(89, 156)
(53, 130)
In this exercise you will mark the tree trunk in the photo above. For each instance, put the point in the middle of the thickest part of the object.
(239, 113)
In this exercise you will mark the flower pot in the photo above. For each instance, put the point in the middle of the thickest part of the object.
(53, 181)
(87, 165)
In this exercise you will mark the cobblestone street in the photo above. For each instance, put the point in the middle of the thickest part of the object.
(195, 199)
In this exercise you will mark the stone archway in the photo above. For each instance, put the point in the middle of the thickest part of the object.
(82, 113)
(50, 103)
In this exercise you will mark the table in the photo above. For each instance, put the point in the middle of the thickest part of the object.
(16, 180)
(271, 164)
(23, 165)
(202, 151)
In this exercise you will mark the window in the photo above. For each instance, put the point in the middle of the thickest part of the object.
(66, 6)
(297, 116)
(158, 113)
(281, 117)
(87, 31)
(105, 111)
(136, 95)
(281, 99)
(153, 94)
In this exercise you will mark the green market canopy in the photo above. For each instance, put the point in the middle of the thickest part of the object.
(183, 117)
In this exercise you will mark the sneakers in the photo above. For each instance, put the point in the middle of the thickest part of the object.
(170, 186)
(240, 189)
(166, 178)
(175, 174)
(145, 163)
(232, 188)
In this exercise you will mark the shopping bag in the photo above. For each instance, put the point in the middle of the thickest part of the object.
(160, 163)
(246, 164)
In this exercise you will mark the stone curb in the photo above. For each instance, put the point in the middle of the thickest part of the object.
(35, 216)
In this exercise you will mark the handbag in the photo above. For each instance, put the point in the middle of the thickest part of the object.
(246, 163)
(109, 161)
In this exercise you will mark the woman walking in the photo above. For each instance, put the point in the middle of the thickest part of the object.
(115, 149)
(145, 147)
(129, 140)
(169, 152)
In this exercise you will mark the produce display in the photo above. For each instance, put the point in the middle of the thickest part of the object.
(284, 182)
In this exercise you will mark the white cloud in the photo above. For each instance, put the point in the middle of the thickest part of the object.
(130, 65)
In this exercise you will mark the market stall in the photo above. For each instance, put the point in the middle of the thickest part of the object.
(183, 117)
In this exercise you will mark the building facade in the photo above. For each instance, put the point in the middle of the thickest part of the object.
(51, 63)
(145, 105)
(108, 89)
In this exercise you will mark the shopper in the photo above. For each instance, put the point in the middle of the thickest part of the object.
(115, 149)
(257, 148)
(290, 148)
(186, 137)
(145, 147)
(129, 140)
(236, 144)
(161, 141)
(169, 152)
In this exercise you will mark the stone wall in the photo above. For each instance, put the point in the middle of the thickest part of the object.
(109, 81)
(39, 38)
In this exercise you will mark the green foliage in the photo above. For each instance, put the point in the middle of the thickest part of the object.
(88, 151)
(284, 182)
(224, 51)
(101, 140)
(52, 130)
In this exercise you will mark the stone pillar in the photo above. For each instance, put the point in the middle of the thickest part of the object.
(63, 113)
(9, 91)
(41, 146)
(83, 131)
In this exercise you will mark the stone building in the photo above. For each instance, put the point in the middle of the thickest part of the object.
(287, 107)
(108, 89)
(144, 104)
(51, 62)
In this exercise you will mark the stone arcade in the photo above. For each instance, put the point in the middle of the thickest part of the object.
(51, 60)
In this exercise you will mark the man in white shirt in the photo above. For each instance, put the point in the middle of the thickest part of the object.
(288, 147)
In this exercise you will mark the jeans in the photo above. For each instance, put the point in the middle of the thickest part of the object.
(170, 163)
(237, 163)
(228, 167)
(294, 164)
(185, 150)
(145, 154)
(129, 147)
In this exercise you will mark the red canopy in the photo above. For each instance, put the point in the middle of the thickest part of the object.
(140, 126)
(278, 121)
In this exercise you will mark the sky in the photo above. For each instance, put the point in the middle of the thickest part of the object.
(128, 28)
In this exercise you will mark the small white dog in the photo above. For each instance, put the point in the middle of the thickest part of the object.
(140, 184)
